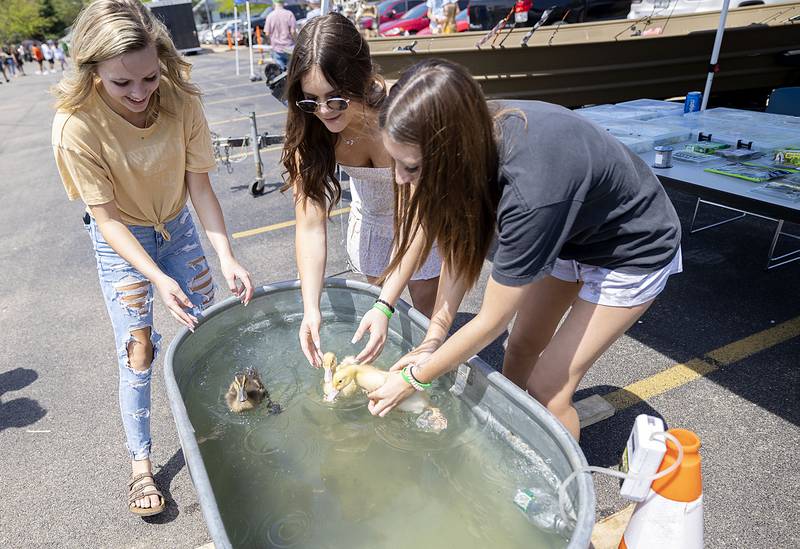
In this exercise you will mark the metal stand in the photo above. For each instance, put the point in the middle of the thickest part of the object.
(257, 188)
(772, 260)
(256, 141)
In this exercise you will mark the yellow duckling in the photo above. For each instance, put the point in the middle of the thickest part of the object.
(247, 391)
(329, 364)
(369, 378)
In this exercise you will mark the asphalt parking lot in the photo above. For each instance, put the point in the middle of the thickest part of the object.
(718, 353)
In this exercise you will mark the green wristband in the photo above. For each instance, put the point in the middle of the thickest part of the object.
(411, 373)
(384, 309)
(406, 378)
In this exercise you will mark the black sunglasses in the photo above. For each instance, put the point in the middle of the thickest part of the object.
(334, 103)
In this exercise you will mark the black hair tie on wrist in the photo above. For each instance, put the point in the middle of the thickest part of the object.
(385, 303)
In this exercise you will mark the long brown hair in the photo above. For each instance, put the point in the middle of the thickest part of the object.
(332, 43)
(108, 28)
(437, 106)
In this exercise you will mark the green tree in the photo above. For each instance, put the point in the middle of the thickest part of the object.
(67, 10)
(20, 19)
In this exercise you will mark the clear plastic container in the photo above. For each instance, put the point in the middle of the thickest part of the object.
(765, 131)
(643, 135)
(654, 106)
(613, 112)
(541, 508)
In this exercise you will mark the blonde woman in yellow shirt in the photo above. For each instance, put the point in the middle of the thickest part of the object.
(131, 140)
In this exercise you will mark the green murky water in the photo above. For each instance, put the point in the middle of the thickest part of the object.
(321, 475)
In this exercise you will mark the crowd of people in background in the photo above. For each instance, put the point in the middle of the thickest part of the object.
(47, 55)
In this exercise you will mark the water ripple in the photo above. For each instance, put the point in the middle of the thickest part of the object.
(290, 530)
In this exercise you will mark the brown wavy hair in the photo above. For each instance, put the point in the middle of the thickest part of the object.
(332, 43)
(108, 28)
(439, 107)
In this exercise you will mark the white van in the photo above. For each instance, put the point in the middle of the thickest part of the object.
(646, 8)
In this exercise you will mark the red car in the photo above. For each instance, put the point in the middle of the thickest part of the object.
(412, 22)
(390, 10)
(462, 24)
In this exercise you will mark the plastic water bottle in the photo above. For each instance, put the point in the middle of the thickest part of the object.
(541, 508)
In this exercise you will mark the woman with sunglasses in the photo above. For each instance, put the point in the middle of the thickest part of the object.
(334, 95)
(582, 225)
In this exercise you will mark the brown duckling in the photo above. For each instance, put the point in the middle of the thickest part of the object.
(247, 391)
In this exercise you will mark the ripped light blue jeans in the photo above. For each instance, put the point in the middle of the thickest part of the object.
(129, 300)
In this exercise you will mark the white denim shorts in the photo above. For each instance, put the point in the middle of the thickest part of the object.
(618, 288)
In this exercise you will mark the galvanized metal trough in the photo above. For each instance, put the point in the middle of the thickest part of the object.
(519, 419)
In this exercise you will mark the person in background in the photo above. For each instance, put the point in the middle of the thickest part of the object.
(280, 28)
(3, 64)
(36, 53)
(60, 56)
(131, 141)
(19, 57)
(435, 15)
(10, 62)
(47, 52)
(449, 12)
(586, 235)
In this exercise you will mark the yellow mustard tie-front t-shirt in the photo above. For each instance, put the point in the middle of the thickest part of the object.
(102, 157)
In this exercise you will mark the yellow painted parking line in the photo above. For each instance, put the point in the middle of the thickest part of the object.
(282, 225)
(680, 374)
(673, 377)
(246, 118)
(738, 350)
(228, 100)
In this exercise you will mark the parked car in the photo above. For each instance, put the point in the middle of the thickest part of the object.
(485, 14)
(645, 8)
(208, 35)
(389, 10)
(414, 21)
(462, 23)
(221, 36)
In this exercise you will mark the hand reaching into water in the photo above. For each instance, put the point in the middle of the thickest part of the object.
(377, 324)
(309, 338)
(238, 279)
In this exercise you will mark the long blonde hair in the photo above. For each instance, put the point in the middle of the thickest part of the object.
(107, 28)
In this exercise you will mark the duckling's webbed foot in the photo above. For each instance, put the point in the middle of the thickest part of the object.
(432, 420)
(272, 406)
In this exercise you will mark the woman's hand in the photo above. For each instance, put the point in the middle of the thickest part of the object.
(418, 356)
(377, 324)
(394, 391)
(176, 301)
(238, 279)
(309, 338)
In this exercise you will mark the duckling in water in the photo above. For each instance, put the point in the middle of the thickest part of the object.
(330, 366)
(247, 391)
(369, 378)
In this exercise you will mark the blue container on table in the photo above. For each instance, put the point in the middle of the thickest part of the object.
(692, 103)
